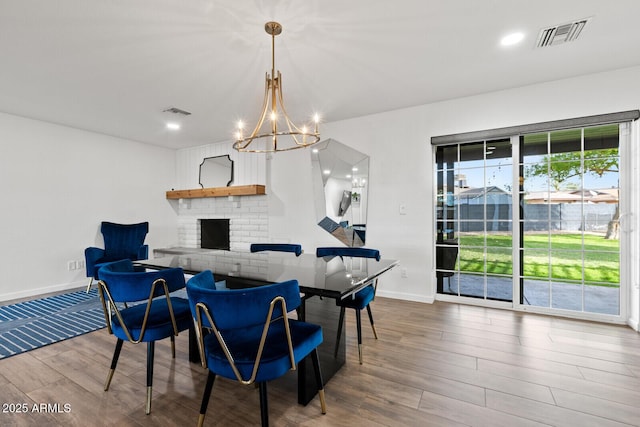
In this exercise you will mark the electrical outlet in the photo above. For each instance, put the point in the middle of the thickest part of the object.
(403, 273)
(72, 265)
(80, 264)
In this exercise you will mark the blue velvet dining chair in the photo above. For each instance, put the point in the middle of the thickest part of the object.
(277, 247)
(121, 241)
(361, 299)
(138, 308)
(256, 346)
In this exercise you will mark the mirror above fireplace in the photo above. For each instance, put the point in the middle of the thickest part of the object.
(216, 172)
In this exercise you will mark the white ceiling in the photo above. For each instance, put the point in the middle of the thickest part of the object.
(113, 66)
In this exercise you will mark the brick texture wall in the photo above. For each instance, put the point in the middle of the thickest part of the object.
(248, 215)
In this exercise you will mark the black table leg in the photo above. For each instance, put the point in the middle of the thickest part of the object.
(194, 351)
(326, 313)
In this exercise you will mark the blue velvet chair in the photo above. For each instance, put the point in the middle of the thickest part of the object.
(360, 299)
(121, 241)
(246, 335)
(278, 247)
(138, 308)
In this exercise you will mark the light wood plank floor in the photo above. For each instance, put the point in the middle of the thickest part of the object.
(434, 364)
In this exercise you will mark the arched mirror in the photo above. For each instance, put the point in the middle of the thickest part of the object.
(216, 171)
(340, 181)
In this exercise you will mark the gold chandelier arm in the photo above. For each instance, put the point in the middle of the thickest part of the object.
(242, 143)
(294, 131)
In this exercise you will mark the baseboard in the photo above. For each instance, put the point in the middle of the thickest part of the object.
(39, 292)
(633, 323)
(406, 297)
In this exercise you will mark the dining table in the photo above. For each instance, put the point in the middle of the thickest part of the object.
(322, 281)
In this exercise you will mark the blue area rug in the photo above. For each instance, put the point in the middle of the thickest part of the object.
(31, 324)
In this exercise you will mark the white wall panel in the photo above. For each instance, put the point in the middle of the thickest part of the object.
(248, 168)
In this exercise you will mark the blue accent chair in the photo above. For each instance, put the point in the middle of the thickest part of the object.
(360, 299)
(138, 308)
(121, 241)
(246, 335)
(278, 247)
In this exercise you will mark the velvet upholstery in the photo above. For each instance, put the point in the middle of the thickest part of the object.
(348, 251)
(278, 247)
(240, 315)
(127, 294)
(361, 299)
(121, 241)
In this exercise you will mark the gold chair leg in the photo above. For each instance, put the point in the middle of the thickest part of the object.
(323, 403)
(107, 383)
(114, 363)
(200, 420)
(360, 353)
(148, 407)
(90, 284)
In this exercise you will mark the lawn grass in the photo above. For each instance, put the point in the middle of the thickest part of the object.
(556, 256)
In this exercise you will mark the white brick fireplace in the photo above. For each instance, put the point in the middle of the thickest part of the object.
(248, 219)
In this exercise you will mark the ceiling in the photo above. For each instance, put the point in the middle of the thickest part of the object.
(113, 66)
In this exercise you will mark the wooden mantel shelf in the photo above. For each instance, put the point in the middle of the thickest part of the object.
(236, 190)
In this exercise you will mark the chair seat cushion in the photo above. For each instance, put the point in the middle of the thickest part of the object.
(243, 345)
(360, 300)
(159, 323)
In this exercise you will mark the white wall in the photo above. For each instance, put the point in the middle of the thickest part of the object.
(58, 184)
(401, 166)
(401, 173)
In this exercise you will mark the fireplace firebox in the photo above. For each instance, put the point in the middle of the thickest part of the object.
(214, 234)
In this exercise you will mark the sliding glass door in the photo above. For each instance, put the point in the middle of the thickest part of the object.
(559, 248)
(474, 220)
(570, 257)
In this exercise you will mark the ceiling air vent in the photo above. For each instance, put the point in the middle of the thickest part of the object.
(175, 110)
(561, 33)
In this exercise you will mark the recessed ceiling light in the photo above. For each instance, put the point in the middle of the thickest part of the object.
(511, 39)
(173, 126)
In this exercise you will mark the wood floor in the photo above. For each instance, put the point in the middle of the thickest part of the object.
(434, 364)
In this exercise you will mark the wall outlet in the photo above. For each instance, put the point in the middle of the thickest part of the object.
(75, 265)
(403, 273)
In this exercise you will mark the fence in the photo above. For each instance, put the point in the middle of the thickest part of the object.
(537, 217)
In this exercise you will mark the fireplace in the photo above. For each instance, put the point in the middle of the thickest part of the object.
(214, 234)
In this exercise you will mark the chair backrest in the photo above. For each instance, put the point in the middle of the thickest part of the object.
(127, 285)
(348, 251)
(240, 308)
(278, 247)
(123, 240)
(446, 257)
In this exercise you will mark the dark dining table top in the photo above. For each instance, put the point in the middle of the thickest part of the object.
(333, 277)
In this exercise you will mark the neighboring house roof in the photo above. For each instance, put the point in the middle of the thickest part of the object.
(481, 191)
(605, 195)
(608, 195)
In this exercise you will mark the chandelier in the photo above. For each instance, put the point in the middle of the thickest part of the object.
(275, 131)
